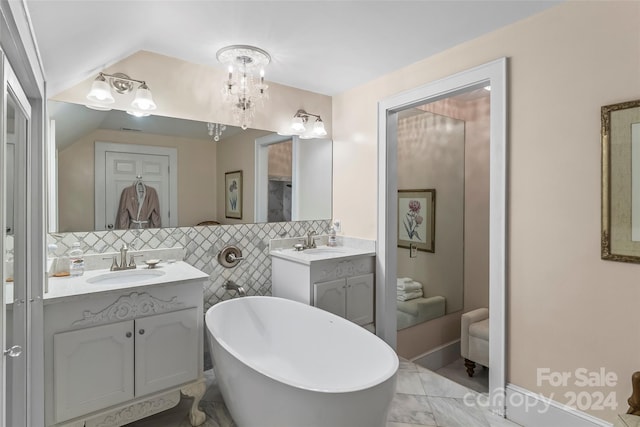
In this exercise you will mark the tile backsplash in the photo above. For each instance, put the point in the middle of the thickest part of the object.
(201, 246)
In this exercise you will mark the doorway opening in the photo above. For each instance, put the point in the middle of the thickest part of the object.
(443, 238)
(391, 223)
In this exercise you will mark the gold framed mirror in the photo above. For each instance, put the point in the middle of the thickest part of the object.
(620, 131)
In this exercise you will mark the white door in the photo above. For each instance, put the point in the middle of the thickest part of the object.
(14, 246)
(166, 350)
(118, 166)
(93, 369)
(122, 170)
(360, 299)
(330, 296)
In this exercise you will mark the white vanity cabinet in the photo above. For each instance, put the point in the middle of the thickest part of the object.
(351, 297)
(343, 285)
(93, 369)
(101, 366)
(166, 347)
(114, 357)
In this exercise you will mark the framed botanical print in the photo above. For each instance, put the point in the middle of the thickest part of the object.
(417, 219)
(233, 194)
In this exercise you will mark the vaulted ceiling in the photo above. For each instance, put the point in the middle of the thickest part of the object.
(322, 46)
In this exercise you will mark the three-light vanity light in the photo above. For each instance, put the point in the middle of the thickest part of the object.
(101, 96)
(299, 125)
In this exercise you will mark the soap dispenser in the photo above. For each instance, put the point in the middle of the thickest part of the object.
(61, 266)
(76, 260)
(51, 259)
(332, 241)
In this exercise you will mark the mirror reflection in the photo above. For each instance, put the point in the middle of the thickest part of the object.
(280, 175)
(114, 171)
(430, 157)
(442, 158)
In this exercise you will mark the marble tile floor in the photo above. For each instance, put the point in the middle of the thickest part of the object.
(456, 372)
(423, 398)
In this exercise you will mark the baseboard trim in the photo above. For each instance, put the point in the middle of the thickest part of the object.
(440, 356)
(531, 409)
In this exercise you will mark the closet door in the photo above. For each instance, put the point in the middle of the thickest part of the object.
(15, 121)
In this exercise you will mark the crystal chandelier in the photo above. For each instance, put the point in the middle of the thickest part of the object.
(215, 130)
(244, 86)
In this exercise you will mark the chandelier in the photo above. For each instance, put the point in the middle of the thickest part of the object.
(215, 130)
(244, 86)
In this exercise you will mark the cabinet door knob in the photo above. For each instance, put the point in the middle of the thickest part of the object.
(128, 334)
(141, 331)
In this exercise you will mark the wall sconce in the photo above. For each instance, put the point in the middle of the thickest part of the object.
(215, 130)
(299, 125)
(101, 97)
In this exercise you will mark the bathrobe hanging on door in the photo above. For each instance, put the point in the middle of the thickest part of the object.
(139, 207)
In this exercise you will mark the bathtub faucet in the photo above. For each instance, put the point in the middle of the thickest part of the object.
(230, 285)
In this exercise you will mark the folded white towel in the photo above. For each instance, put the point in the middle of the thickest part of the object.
(409, 286)
(405, 280)
(405, 296)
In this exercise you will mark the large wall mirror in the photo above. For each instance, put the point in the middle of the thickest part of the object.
(442, 150)
(621, 182)
(99, 156)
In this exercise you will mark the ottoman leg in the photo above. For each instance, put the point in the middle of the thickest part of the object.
(470, 365)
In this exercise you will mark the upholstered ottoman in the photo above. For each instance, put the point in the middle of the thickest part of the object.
(474, 339)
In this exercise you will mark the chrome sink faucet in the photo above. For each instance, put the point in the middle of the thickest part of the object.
(123, 257)
(115, 266)
(311, 242)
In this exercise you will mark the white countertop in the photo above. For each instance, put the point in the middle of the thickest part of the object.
(63, 287)
(321, 253)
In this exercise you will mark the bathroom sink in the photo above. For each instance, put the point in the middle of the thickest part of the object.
(319, 254)
(324, 251)
(125, 276)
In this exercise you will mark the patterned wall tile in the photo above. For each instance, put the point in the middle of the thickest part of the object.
(202, 245)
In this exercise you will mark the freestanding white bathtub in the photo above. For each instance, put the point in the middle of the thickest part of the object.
(280, 363)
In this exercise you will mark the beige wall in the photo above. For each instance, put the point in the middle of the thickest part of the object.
(194, 91)
(566, 307)
(238, 153)
(76, 177)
